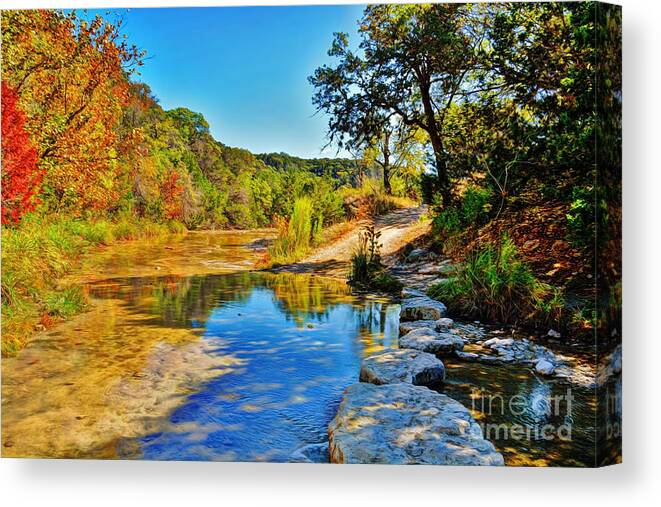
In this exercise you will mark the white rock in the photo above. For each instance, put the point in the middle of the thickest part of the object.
(428, 340)
(498, 343)
(553, 333)
(406, 424)
(408, 326)
(408, 292)
(544, 367)
(402, 365)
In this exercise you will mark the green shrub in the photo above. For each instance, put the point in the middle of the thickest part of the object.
(446, 223)
(494, 284)
(386, 282)
(366, 260)
(125, 229)
(585, 211)
(176, 227)
(475, 204)
(97, 232)
(473, 208)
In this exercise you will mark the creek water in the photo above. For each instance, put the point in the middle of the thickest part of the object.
(187, 354)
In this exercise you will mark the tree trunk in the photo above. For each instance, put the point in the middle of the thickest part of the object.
(386, 180)
(441, 168)
(386, 164)
(437, 143)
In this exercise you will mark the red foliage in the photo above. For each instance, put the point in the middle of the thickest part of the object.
(21, 178)
(172, 192)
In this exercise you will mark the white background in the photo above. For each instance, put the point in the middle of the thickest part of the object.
(68, 482)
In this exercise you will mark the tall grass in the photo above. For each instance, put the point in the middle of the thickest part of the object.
(296, 235)
(37, 254)
(495, 284)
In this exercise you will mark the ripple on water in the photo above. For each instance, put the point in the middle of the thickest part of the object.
(173, 364)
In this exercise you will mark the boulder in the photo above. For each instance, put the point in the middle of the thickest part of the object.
(428, 340)
(408, 326)
(444, 323)
(498, 343)
(402, 365)
(544, 367)
(311, 453)
(408, 292)
(405, 424)
(422, 308)
(417, 255)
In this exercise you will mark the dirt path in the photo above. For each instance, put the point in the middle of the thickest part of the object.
(397, 229)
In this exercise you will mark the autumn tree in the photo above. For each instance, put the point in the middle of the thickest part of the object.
(21, 178)
(71, 74)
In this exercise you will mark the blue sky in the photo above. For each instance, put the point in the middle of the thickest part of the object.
(245, 69)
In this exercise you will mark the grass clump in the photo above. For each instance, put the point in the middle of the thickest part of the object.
(297, 235)
(37, 254)
(367, 271)
(65, 303)
(495, 284)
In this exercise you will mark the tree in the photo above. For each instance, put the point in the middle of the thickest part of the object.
(71, 76)
(544, 55)
(396, 150)
(416, 62)
(21, 178)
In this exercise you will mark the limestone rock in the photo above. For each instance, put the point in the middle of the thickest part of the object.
(544, 367)
(311, 453)
(408, 326)
(402, 365)
(417, 255)
(406, 424)
(444, 323)
(408, 292)
(422, 308)
(428, 340)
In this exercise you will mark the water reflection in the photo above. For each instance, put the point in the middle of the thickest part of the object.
(183, 357)
(300, 340)
(243, 366)
(533, 421)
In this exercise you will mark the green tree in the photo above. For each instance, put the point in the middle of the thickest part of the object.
(414, 62)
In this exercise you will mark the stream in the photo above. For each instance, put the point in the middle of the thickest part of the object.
(187, 354)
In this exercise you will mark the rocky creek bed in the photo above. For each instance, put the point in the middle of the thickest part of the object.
(399, 412)
(204, 359)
